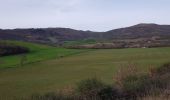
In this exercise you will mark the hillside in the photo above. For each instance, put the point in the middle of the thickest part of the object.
(140, 31)
(37, 53)
(46, 35)
(58, 36)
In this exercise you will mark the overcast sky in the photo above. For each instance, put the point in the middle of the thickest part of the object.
(95, 15)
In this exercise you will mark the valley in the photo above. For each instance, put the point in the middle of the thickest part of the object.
(52, 72)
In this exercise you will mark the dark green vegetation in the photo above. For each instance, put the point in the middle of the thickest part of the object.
(11, 49)
(53, 71)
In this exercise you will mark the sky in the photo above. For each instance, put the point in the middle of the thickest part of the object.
(94, 15)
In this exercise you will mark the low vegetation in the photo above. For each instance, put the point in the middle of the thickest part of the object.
(125, 43)
(79, 42)
(130, 84)
(7, 49)
(47, 69)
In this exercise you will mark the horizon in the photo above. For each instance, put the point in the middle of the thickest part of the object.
(80, 29)
(96, 15)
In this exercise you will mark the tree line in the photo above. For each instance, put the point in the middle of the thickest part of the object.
(10, 49)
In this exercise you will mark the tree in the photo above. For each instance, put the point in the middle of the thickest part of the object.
(1, 62)
(23, 59)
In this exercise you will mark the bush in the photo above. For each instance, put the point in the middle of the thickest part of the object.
(160, 78)
(95, 89)
(135, 84)
(164, 69)
(109, 93)
(90, 88)
(9, 49)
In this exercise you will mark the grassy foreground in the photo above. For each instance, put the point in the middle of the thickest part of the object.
(50, 75)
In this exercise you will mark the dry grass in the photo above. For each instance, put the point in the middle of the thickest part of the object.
(124, 72)
(155, 98)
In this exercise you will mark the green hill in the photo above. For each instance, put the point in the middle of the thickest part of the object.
(37, 53)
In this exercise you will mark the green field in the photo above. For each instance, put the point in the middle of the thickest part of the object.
(80, 42)
(37, 53)
(51, 72)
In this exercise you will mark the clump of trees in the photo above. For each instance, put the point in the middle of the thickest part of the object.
(10, 49)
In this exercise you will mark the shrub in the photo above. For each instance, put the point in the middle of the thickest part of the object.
(134, 84)
(94, 89)
(160, 78)
(9, 49)
(109, 93)
(162, 70)
(124, 72)
(90, 87)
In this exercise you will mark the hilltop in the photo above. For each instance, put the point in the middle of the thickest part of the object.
(142, 30)
(58, 36)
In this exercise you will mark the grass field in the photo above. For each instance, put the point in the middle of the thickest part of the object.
(54, 73)
(37, 53)
(80, 42)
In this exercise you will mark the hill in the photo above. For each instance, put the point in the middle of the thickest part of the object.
(46, 35)
(37, 53)
(140, 31)
(58, 36)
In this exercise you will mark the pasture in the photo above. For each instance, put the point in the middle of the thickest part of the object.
(37, 53)
(49, 73)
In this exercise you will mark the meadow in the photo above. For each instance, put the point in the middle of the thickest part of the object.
(37, 53)
(47, 71)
